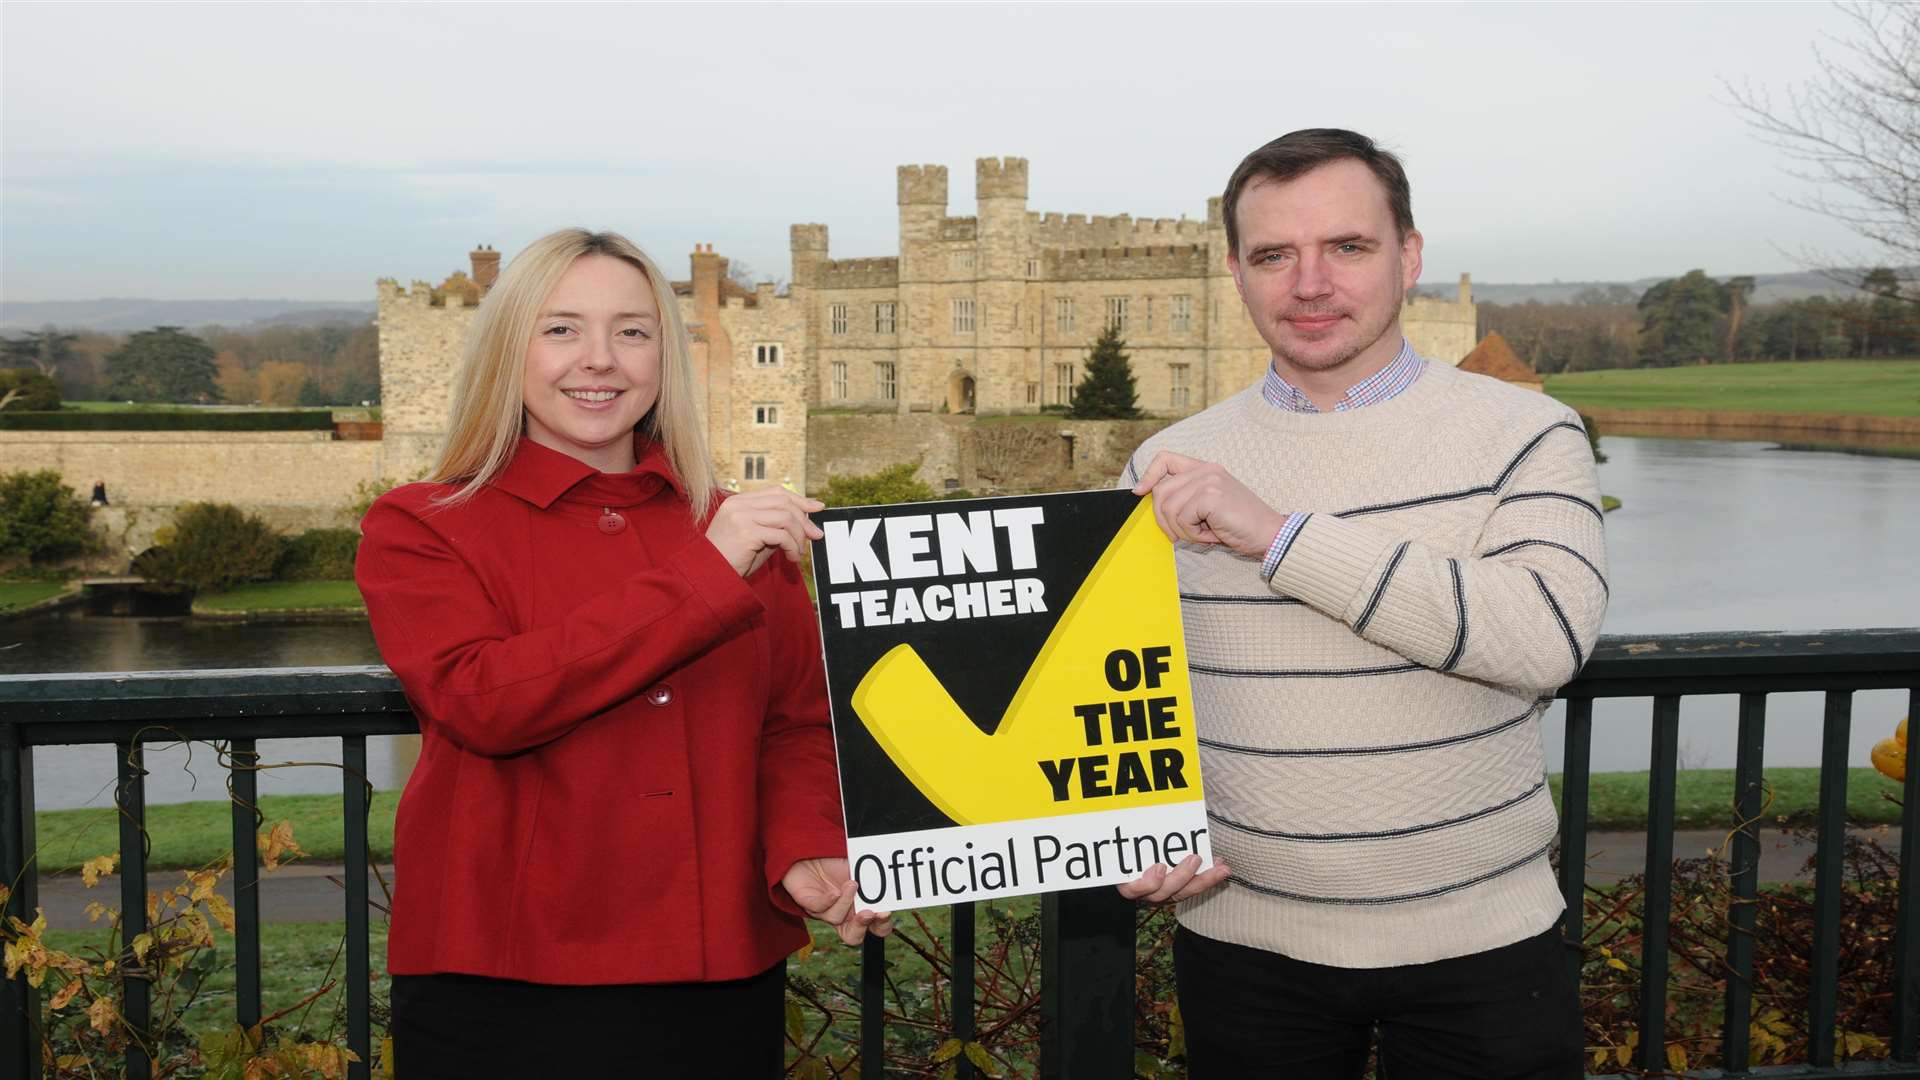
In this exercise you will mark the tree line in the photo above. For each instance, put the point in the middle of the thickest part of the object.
(333, 364)
(1697, 319)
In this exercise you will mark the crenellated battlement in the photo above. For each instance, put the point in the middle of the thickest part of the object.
(960, 228)
(881, 273)
(923, 185)
(1068, 232)
(421, 293)
(1000, 178)
(1116, 263)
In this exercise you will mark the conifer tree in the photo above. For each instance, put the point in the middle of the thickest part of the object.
(1107, 391)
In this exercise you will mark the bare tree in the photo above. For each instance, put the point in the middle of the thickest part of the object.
(1855, 130)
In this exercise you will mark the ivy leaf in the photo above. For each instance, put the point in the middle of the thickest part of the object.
(92, 870)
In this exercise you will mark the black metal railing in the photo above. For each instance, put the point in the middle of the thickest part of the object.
(1087, 952)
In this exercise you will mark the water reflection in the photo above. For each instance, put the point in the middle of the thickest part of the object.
(70, 776)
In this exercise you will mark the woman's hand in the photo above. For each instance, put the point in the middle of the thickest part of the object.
(749, 528)
(825, 891)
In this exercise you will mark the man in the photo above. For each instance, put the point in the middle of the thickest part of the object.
(1387, 567)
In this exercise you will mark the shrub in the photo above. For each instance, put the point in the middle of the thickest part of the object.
(42, 518)
(892, 485)
(30, 389)
(1593, 437)
(214, 546)
(318, 555)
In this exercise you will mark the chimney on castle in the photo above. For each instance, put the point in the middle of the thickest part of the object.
(486, 266)
(1466, 288)
(709, 270)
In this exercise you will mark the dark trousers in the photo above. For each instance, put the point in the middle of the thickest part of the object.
(1511, 1013)
(464, 1027)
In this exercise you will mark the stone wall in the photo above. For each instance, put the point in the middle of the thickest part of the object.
(295, 480)
(982, 456)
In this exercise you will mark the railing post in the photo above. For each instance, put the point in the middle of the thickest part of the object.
(1824, 964)
(130, 798)
(1658, 899)
(19, 1003)
(873, 1007)
(1906, 937)
(1575, 779)
(1744, 863)
(961, 916)
(1086, 984)
(354, 805)
(244, 799)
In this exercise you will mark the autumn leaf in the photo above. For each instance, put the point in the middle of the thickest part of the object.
(66, 995)
(101, 1015)
(278, 844)
(1676, 1057)
(800, 955)
(95, 909)
(980, 1058)
(203, 882)
(796, 1022)
(141, 943)
(385, 1072)
(222, 911)
(93, 869)
(947, 1052)
(1617, 964)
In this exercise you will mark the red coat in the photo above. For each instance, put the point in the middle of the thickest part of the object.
(625, 745)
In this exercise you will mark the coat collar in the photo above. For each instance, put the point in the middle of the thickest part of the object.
(543, 476)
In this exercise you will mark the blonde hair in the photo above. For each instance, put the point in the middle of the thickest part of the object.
(485, 421)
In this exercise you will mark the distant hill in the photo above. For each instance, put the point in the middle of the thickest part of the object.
(1768, 288)
(120, 315)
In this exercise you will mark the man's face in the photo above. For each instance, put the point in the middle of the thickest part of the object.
(1321, 266)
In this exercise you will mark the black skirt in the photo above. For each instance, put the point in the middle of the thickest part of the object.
(465, 1027)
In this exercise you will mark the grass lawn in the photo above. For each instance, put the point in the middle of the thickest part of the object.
(1703, 798)
(1869, 387)
(15, 594)
(194, 834)
(284, 596)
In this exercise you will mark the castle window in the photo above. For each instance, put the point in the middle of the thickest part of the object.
(883, 317)
(766, 416)
(1063, 384)
(886, 381)
(1117, 313)
(1182, 314)
(765, 355)
(963, 315)
(836, 318)
(1033, 393)
(963, 260)
(1178, 395)
(753, 467)
(839, 387)
(1033, 268)
(1063, 314)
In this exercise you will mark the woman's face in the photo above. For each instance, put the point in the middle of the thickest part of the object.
(593, 366)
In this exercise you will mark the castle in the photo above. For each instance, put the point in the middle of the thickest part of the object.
(989, 313)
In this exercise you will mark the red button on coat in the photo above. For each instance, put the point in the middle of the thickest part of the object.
(660, 694)
(611, 523)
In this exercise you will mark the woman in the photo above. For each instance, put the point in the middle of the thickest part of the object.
(626, 796)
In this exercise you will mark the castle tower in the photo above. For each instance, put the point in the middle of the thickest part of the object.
(808, 246)
(486, 266)
(1000, 188)
(714, 385)
(923, 266)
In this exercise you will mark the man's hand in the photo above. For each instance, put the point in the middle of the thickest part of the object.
(748, 529)
(1200, 502)
(1160, 885)
(825, 891)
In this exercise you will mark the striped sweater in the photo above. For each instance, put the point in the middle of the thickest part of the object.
(1369, 718)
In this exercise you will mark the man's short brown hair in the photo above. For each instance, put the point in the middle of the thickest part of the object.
(1299, 152)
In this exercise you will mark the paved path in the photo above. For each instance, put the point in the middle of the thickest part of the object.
(315, 893)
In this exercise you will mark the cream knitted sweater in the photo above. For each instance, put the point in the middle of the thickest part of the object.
(1369, 720)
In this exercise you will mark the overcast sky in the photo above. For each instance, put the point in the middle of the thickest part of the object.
(287, 151)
